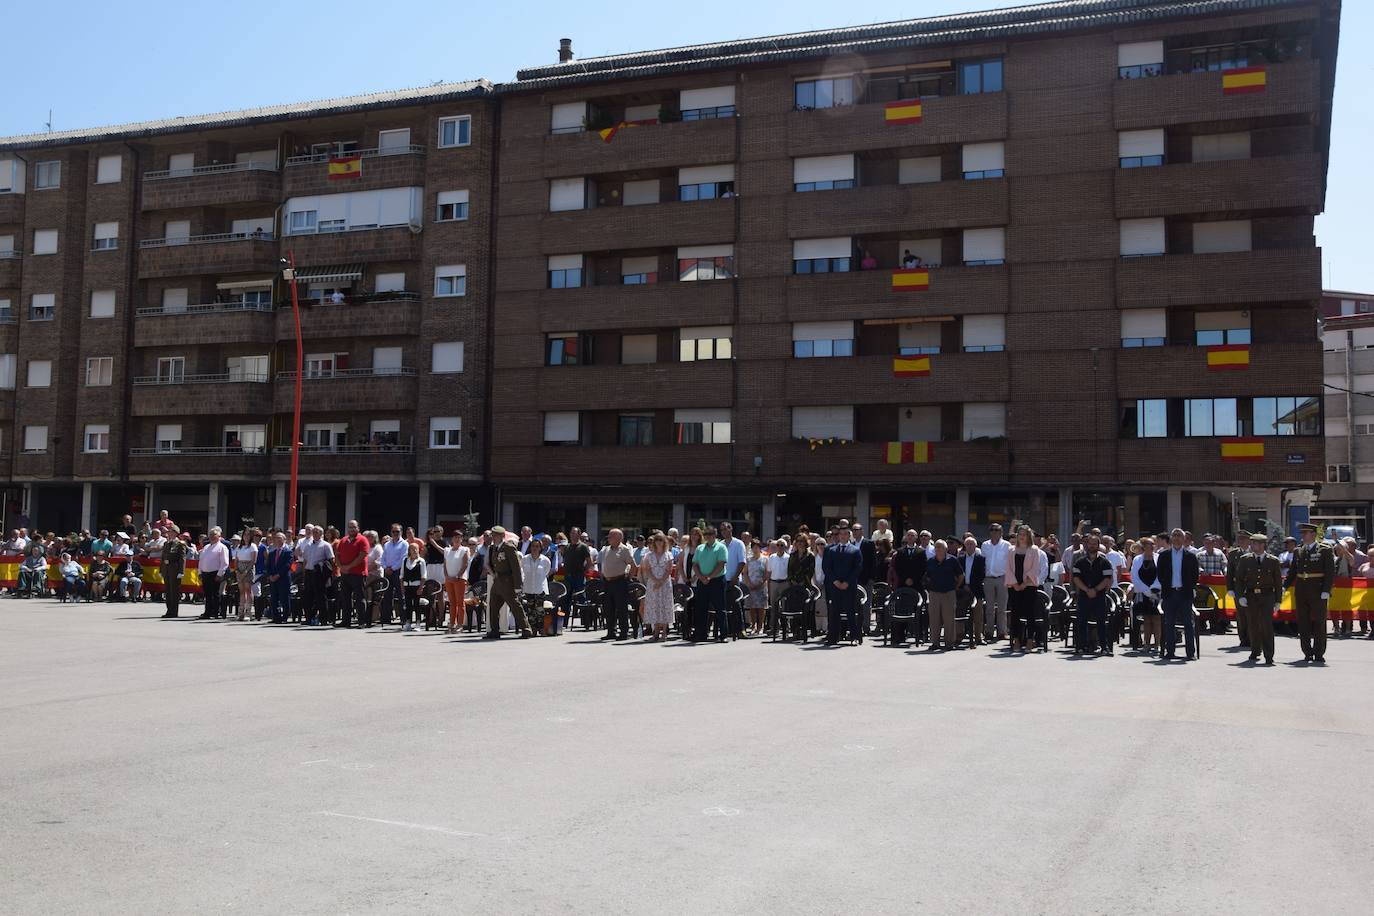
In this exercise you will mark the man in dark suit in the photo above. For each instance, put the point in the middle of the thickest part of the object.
(1178, 574)
(277, 579)
(868, 552)
(842, 564)
(908, 570)
(974, 567)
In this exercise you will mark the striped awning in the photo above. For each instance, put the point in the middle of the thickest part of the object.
(329, 274)
(255, 283)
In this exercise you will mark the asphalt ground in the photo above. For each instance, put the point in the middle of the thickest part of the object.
(151, 766)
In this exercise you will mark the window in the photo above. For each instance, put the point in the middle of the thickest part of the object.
(11, 176)
(922, 170)
(636, 429)
(710, 426)
(42, 306)
(171, 370)
(984, 421)
(394, 141)
(102, 303)
(1139, 59)
(819, 256)
(705, 343)
(1142, 238)
(1140, 148)
(1223, 57)
(47, 175)
(814, 339)
(346, 212)
(1210, 417)
(40, 373)
(985, 333)
(168, 437)
(105, 236)
(639, 271)
(1145, 419)
(984, 160)
(385, 434)
(248, 368)
(833, 92)
(563, 350)
(706, 262)
(386, 360)
(1221, 147)
(1144, 328)
(568, 117)
(7, 249)
(919, 338)
(561, 427)
(445, 432)
(706, 182)
(567, 194)
(97, 439)
(389, 283)
(325, 437)
(248, 439)
(108, 169)
(638, 349)
(301, 222)
(181, 163)
(1288, 417)
(99, 371)
(1221, 236)
(1338, 473)
(45, 241)
(980, 76)
(174, 300)
(823, 422)
(8, 361)
(704, 104)
(565, 271)
(922, 423)
(455, 131)
(451, 280)
(6, 313)
(322, 365)
(1214, 329)
(639, 193)
(453, 205)
(447, 357)
(35, 438)
(985, 246)
(823, 173)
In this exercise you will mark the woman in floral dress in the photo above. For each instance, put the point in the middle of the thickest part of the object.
(656, 572)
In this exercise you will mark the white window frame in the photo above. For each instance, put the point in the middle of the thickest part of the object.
(35, 432)
(52, 169)
(164, 440)
(456, 278)
(171, 370)
(101, 242)
(451, 429)
(457, 131)
(457, 202)
(101, 432)
(102, 173)
(99, 371)
(454, 353)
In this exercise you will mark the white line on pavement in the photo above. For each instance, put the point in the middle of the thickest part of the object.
(377, 820)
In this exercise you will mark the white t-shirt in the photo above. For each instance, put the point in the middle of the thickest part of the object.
(456, 561)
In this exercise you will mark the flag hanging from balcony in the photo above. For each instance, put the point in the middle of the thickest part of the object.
(906, 111)
(1242, 450)
(345, 167)
(911, 366)
(910, 280)
(1243, 80)
(1228, 357)
(608, 133)
(909, 453)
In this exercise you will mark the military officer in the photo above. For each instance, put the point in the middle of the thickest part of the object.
(505, 586)
(1259, 588)
(172, 567)
(1233, 555)
(1310, 576)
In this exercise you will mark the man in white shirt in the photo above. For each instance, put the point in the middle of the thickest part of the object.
(316, 556)
(213, 566)
(995, 551)
(1114, 557)
(775, 566)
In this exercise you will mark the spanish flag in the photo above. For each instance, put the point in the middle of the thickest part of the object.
(608, 133)
(906, 111)
(1242, 81)
(1228, 357)
(910, 280)
(345, 167)
(1249, 450)
(909, 453)
(911, 366)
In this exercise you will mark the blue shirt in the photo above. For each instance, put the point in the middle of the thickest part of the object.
(394, 554)
(943, 575)
(734, 557)
(1177, 556)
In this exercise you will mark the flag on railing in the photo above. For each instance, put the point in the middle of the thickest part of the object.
(1242, 449)
(909, 453)
(911, 366)
(1243, 80)
(910, 280)
(608, 133)
(1228, 357)
(345, 167)
(906, 111)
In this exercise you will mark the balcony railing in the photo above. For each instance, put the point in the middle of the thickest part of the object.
(215, 169)
(348, 373)
(255, 236)
(369, 448)
(203, 308)
(253, 377)
(9, 253)
(410, 150)
(7, 317)
(197, 450)
(293, 233)
(396, 296)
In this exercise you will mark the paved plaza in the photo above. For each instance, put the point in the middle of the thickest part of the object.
(152, 766)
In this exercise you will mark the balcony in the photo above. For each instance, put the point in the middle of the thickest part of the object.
(1292, 90)
(211, 186)
(1275, 183)
(898, 208)
(204, 323)
(392, 243)
(654, 146)
(869, 294)
(11, 268)
(980, 461)
(594, 308)
(401, 167)
(199, 463)
(349, 390)
(1280, 368)
(11, 208)
(382, 315)
(704, 383)
(945, 119)
(219, 253)
(348, 461)
(219, 393)
(701, 222)
(599, 464)
(871, 376)
(1280, 275)
(1287, 460)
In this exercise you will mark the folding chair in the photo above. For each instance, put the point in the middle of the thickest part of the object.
(880, 597)
(682, 609)
(904, 607)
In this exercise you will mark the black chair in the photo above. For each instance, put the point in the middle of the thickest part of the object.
(682, 609)
(794, 604)
(1060, 615)
(879, 599)
(905, 607)
(431, 604)
(636, 618)
(589, 602)
(731, 623)
(477, 611)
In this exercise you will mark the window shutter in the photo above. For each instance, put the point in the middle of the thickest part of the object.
(1142, 236)
(389, 283)
(823, 330)
(715, 97)
(452, 197)
(106, 230)
(1221, 321)
(565, 262)
(386, 358)
(448, 356)
(705, 333)
(1220, 147)
(701, 415)
(174, 300)
(980, 157)
(924, 170)
(823, 168)
(568, 116)
(108, 169)
(638, 349)
(985, 330)
(1144, 323)
(924, 424)
(567, 194)
(643, 265)
(842, 247)
(1137, 53)
(1140, 143)
(984, 420)
(920, 334)
(168, 432)
(823, 422)
(1227, 235)
(705, 251)
(704, 174)
(985, 244)
(561, 426)
(102, 303)
(640, 192)
(642, 112)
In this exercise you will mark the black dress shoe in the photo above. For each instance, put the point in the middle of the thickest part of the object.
(1253, 658)
(168, 616)
(492, 636)
(607, 637)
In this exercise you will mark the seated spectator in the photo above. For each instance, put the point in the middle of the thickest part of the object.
(33, 573)
(73, 585)
(99, 577)
(131, 581)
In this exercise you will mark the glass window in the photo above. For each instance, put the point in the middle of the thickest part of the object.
(302, 221)
(709, 190)
(1218, 338)
(446, 432)
(563, 350)
(809, 349)
(456, 131)
(47, 175)
(980, 76)
(1142, 342)
(692, 350)
(566, 278)
(721, 268)
(825, 93)
(702, 433)
(453, 211)
(636, 429)
(842, 184)
(820, 265)
(1152, 418)
(985, 173)
(1138, 162)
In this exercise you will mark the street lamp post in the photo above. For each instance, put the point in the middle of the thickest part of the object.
(293, 523)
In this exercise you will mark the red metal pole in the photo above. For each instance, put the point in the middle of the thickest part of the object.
(292, 521)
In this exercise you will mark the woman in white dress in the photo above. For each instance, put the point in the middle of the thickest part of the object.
(656, 572)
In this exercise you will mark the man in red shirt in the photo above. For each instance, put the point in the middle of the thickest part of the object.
(351, 553)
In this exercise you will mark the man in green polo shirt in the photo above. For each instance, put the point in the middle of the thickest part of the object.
(709, 578)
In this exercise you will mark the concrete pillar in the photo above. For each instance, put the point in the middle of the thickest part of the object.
(680, 518)
(1066, 519)
(351, 501)
(768, 525)
(1274, 508)
(212, 515)
(87, 506)
(1202, 515)
(508, 514)
(1132, 520)
(425, 512)
(594, 522)
(960, 511)
(279, 506)
(861, 505)
(1173, 508)
(29, 503)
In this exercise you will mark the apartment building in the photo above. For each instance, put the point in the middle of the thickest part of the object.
(1047, 264)
(147, 338)
(1347, 329)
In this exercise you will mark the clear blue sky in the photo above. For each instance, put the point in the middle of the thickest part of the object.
(141, 60)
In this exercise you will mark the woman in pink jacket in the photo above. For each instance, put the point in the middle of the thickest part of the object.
(1026, 570)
